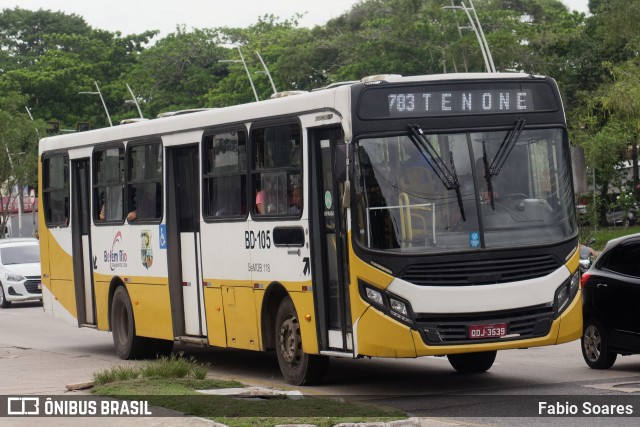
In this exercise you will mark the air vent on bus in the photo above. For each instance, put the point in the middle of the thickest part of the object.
(134, 120)
(380, 77)
(286, 93)
(180, 112)
(480, 272)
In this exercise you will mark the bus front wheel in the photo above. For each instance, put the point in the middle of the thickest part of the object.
(298, 367)
(125, 341)
(472, 363)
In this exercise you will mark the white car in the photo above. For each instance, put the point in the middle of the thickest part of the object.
(20, 277)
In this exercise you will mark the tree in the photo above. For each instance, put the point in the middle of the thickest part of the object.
(18, 152)
(51, 56)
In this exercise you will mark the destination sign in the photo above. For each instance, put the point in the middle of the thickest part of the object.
(463, 99)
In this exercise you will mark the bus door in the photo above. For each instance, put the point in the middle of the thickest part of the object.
(184, 244)
(329, 251)
(81, 242)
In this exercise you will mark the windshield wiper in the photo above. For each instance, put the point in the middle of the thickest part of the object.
(448, 177)
(507, 145)
(487, 175)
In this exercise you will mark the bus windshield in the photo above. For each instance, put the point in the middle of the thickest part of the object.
(459, 191)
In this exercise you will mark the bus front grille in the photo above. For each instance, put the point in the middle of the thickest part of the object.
(522, 323)
(480, 272)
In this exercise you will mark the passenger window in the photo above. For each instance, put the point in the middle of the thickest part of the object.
(144, 184)
(624, 259)
(108, 187)
(55, 191)
(276, 170)
(225, 175)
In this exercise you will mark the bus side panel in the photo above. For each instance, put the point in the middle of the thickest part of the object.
(381, 336)
(303, 302)
(151, 309)
(58, 264)
(215, 317)
(241, 317)
(101, 287)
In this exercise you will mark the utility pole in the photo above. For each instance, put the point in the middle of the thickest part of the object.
(266, 70)
(477, 29)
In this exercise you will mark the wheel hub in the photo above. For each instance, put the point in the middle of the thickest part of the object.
(592, 343)
(290, 341)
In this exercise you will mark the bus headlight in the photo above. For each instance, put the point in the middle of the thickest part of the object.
(388, 303)
(374, 296)
(565, 294)
(398, 306)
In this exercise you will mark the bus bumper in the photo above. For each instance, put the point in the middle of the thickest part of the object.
(381, 336)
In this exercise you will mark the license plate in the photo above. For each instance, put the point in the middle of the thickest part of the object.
(39, 286)
(496, 330)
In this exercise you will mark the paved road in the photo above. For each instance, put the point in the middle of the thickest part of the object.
(39, 355)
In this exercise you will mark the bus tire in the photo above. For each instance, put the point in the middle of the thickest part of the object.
(127, 344)
(472, 363)
(298, 367)
(3, 299)
(595, 345)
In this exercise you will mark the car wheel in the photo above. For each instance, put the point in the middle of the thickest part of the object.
(298, 367)
(472, 363)
(127, 344)
(3, 299)
(595, 346)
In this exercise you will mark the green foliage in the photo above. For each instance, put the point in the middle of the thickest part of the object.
(116, 374)
(173, 366)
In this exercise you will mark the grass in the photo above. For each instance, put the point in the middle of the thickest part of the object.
(604, 234)
(173, 366)
(172, 382)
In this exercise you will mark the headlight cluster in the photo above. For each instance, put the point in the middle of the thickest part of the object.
(565, 294)
(13, 277)
(387, 303)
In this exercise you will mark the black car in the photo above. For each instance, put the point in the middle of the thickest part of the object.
(611, 303)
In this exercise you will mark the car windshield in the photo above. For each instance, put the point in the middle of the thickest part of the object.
(26, 254)
(437, 192)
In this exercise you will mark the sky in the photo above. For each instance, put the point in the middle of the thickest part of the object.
(137, 16)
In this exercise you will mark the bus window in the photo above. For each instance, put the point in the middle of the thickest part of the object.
(225, 178)
(144, 185)
(108, 189)
(56, 191)
(276, 174)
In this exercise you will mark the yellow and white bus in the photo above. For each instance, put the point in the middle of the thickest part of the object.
(391, 217)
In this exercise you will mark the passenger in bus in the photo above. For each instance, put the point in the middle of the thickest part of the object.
(296, 200)
(260, 208)
(102, 215)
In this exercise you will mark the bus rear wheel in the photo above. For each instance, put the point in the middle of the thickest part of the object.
(298, 367)
(472, 363)
(127, 344)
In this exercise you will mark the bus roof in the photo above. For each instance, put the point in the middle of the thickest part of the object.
(309, 101)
